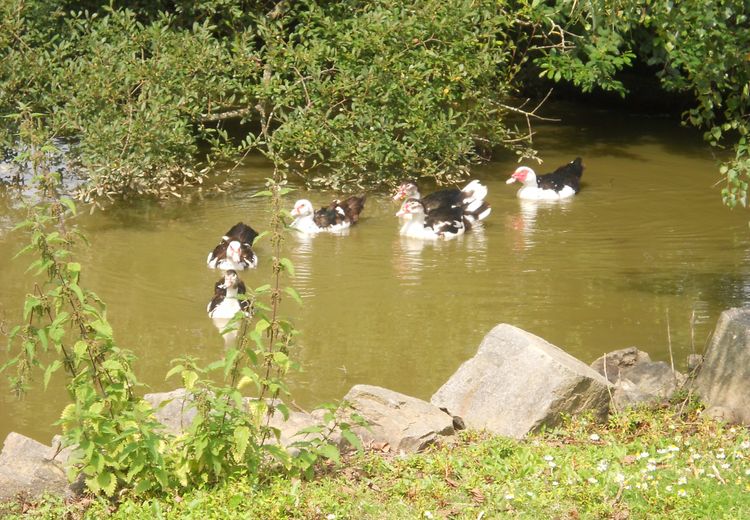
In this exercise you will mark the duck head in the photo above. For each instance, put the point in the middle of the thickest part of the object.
(524, 175)
(406, 190)
(411, 208)
(302, 208)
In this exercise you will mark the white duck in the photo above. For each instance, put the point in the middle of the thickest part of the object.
(563, 183)
(225, 304)
(440, 224)
(339, 215)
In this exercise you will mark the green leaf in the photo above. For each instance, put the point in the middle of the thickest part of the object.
(78, 292)
(68, 203)
(189, 378)
(80, 349)
(174, 370)
(291, 291)
(330, 452)
(107, 482)
(74, 267)
(287, 265)
(103, 329)
(241, 438)
(352, 439)
(51, 369)
(31, 303)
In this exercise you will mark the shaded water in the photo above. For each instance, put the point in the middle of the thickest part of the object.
(645, 248)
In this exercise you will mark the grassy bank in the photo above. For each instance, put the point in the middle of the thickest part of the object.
(665, 463)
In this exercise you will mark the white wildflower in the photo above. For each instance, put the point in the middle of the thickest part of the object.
(669, 488)
(619, 478)
(726, 465)
(721, 455)
(681, 493)
(745, 445)
(509, 497)
(330, 516)
(428, 514)
(643, 455)
(552, 465)
(594, 437)
(682, 481)
(555, 483)
(592, 480)
(549, 458)
(602, 466)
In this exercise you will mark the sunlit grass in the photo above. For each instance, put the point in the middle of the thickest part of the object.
(642, 464)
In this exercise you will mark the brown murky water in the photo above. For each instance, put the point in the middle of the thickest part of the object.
(645, 248)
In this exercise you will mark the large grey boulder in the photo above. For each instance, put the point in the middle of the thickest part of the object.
(517, 383)
(724, 378)
(404, 423)
(175, 409)
(636, 378)
(28, 466)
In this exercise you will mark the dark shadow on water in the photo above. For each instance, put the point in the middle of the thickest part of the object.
(721, 290)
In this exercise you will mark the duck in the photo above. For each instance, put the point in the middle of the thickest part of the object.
(470, 199)
(225, 304)
(337, 216)
(234, 251)
(442, 223)
(562, 183)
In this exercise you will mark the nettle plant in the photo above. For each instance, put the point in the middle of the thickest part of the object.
(116, 441)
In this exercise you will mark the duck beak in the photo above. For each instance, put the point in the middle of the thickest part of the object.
(399, 195)
(511, 180)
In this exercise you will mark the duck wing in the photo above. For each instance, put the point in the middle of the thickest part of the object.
(446, 219)
(566, 175)
(242, 233)
(352, 207)
(445, 198)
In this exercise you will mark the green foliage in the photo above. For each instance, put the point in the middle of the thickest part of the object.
(659, 464)
(131, 96)
(115, 438)
(373, 91)
(116, 441)
(699, 48)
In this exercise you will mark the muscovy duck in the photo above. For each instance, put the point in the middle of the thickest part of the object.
(442, 223)
(562, 183)
(470, 199)
(338, 215)
(225, 304)
(234, 251)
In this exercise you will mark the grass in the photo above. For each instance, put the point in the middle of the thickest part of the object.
(664, 463)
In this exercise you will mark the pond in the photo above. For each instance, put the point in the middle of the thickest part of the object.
(645, 255)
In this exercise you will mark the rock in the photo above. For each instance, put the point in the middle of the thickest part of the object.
(647, 383)
(694, 362)
(724, 378)
(405, 423)
(721, 413)
(175, 409)
(618, 361)
(637, 379)
(517, 383)
(27, 466)
(296, 421)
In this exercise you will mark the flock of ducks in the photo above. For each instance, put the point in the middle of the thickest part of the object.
(442, 215)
